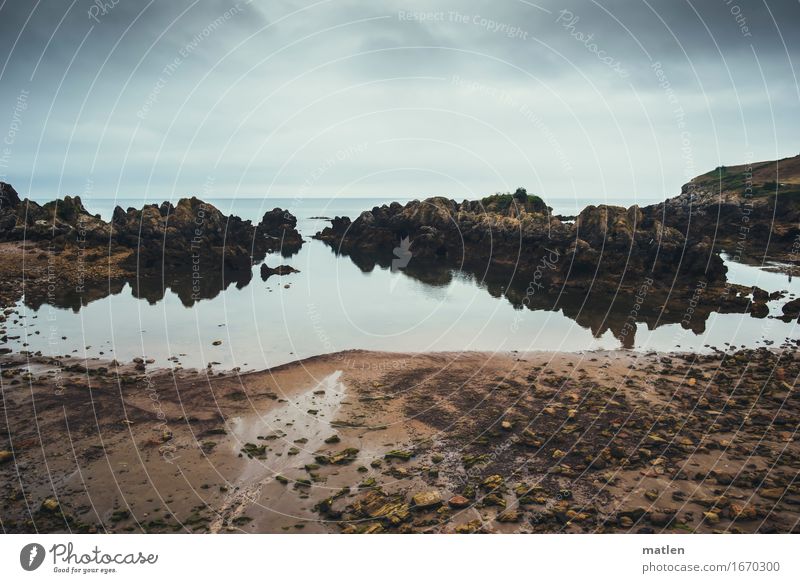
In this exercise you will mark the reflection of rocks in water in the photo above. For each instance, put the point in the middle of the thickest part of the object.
(150, 287)
(66, 296)
(60, 254)
(267, 271)
(189, 288)
(594, 309)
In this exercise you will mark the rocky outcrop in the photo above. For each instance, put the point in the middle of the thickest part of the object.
(750, 210)
(277, 231)
(190, 245)
(608, 247)
(8, 196)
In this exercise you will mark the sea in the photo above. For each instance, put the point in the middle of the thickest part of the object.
(334, 304)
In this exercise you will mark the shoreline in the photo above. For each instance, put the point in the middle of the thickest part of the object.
(605, 441)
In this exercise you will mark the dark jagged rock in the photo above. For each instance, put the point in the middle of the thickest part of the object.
(192, 234)
(607, 246)
(792, 309)
(190, 246)
(267, 271)
(8, 196)
(277, 231)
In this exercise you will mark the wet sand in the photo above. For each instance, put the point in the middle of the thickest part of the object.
(603, 441)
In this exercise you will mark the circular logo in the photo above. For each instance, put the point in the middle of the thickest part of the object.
(31, 556)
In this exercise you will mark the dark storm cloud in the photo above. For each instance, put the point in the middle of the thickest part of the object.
(397, 97)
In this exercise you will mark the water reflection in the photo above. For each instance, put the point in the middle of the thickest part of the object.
(596, 310)
(338, 302)
(150, 286)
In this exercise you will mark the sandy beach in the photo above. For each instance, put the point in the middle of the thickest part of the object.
(604, 441)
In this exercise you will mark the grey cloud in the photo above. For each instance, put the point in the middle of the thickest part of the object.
(510, 94)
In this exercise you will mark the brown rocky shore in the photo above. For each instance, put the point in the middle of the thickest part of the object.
(381, 442)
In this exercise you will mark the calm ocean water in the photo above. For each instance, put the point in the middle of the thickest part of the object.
(333, 305)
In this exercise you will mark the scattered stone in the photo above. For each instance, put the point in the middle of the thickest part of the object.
(458, 501)
(493, 482)
(50, 505)
(427, 499)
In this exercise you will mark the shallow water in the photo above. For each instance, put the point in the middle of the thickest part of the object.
(333, 305)
(281, 427)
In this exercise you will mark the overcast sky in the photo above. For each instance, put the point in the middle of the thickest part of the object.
(392, 98)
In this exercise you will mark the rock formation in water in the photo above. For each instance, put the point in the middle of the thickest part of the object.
(267, 271)
(193, 242)
(606, 246)
(751, 211)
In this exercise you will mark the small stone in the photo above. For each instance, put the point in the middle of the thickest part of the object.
(738, 511)
(506, 425)
(50, 505)
(508, 516)
(711, 517)
(427, 499)
(469, 527)
(493, 482)
(6, 456)
(216, 343)
(458, 501)
(660, 518)
(774, 493)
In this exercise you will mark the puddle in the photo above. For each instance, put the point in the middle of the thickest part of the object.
(275, 445)
(291, 433)
(772, 277)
